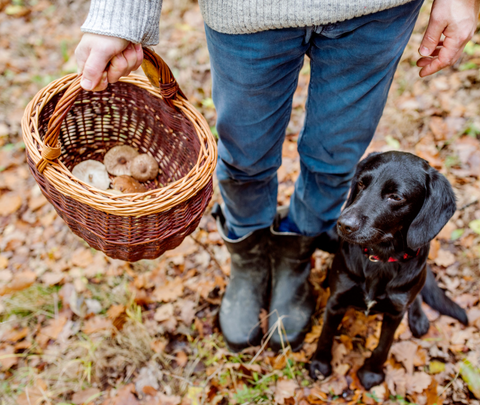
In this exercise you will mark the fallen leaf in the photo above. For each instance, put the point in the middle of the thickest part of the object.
(187, 313)
(82, 257)
(171, 399)
(52, 278)
(396, 380)
(418, 382)
(193, 394)
(149, 390)
(285, 389)
(86, 396)
(170, 291)
(115, 311)
(181, 358)
(10, 203)
(124, 397)
(444, 258)
(164, 312)
(471, 376)
(314, 334)
(96, 324)
(475, 226)
(158, 346)
(20, 282)
(7, 358)
(435, 367)
(14, 335)
(34, 203)
(55, 326)
(3, 262)
(432, 394)
(31, 396)
(405, 352)
(379, 392)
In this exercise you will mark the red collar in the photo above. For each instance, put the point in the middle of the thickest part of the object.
(374, 258)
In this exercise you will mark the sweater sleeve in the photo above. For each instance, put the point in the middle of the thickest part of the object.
(134, 20)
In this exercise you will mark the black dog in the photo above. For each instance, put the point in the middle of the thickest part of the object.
(397, 205)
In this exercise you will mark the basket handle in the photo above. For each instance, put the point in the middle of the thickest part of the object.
(157, 72)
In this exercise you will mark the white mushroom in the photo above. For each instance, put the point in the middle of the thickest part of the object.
(144, 167)
(92, 173)
(118, 160)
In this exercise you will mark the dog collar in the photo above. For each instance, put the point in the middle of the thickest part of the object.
(374, 258)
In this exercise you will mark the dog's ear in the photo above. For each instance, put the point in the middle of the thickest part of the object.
(362, 165)
(438, 207)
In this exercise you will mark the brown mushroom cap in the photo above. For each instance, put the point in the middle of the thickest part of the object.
(92, 173)
(127, 185)
(144, 167)
(118, 160)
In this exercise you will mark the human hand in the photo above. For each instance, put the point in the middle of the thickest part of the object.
(457, 20)
(104, 59)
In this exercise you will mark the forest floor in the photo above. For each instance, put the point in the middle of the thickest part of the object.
(77, 327)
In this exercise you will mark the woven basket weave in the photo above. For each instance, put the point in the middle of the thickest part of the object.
(65, 125)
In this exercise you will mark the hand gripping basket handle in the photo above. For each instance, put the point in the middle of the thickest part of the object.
(157, 72)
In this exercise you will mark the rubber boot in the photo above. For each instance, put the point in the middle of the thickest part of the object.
(292, 297)
(247, 291)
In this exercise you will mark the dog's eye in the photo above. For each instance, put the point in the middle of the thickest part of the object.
(395, 197)
(360, 184)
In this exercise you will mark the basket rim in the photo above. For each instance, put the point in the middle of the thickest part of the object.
(139, 204)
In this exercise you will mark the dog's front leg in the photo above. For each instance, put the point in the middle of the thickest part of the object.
(320, 364)
(371, 373)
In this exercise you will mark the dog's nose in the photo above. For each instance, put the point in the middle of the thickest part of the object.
(348, 225)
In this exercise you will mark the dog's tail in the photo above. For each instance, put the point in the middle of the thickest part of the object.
(435, 297)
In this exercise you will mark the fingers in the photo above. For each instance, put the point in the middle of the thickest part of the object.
(432, 36)
(122, 64)
(93, 70)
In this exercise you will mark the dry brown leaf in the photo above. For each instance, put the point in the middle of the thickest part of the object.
(53, 278)
(82, 257)
(187, 312)
(7, 358)
(432, 394)
(3, 262)
(170, 291)
(418, 382)
(115, 311)
(187, 247)
(124, 397)
(10, 203)
(314, 334)
(181, 358)
(444, 258)
(445, 233)
(14, 335)
(164, 312)
(158, 346)
(31, 396)
(396, 380)
(55, 326)
(405, 352)
(434, 248)
(85, 396)
(20, 282)
(96, 324)
(285, 389)
(335, 386)
(149, 390)
(379, 392)
(167, 399)
(34, 203)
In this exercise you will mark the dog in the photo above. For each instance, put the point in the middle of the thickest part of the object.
(397, 205)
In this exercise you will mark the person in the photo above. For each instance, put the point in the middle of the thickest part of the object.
(257, 48)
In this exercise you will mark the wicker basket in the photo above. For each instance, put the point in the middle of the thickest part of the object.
(64, 125)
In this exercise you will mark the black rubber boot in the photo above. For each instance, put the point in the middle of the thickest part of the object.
(247, 291)
(292, 295)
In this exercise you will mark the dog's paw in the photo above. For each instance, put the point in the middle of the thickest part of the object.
(419, 324)
(320, 369)
(370, 378)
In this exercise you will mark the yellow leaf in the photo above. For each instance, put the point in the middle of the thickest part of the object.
(436, 367)
(193, 394)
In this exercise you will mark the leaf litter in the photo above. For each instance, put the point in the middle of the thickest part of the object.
(77, 327)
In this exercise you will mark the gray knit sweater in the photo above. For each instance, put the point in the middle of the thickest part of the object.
(138, 20)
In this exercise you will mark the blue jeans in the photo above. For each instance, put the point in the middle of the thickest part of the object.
(254, 79)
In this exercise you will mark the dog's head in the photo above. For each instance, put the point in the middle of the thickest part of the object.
(392, 193)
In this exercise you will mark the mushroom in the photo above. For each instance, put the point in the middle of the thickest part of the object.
(127, 185)
(118, 160)
(144, 167)
(92, 173)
